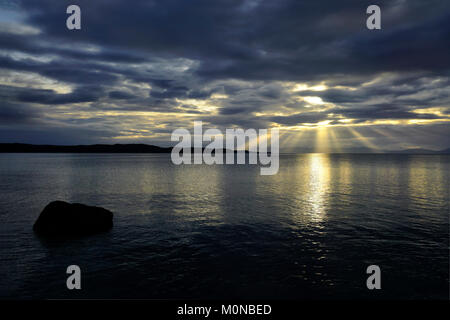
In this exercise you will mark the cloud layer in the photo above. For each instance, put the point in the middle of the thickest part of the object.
(138, 70)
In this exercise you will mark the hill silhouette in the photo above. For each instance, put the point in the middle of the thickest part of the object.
(95, 148)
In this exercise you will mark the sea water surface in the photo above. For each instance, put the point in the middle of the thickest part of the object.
(225, 231)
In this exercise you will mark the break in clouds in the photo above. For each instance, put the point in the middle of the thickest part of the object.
(138, 70)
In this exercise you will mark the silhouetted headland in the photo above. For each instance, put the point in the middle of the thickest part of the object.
(94, 148)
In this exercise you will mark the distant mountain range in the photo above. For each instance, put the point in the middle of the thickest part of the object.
(145, 148)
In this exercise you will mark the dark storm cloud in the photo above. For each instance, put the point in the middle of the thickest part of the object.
(31, 44)
(423, 46)
(403, 93)
(120, 95)
(13, 113)
(268, 40)
(158, 55)
(82, 94)
(226, 111)
(383, 111)
(239, 120)
(75, 75)
(259, 39)
(50, 97)
(175, 92)
(66, 71)
(300, 118)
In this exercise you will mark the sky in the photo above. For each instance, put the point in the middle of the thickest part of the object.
(137, 70)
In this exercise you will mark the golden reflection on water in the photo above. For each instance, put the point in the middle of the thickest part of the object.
(345, 176)
(425, 180)
(317, 186)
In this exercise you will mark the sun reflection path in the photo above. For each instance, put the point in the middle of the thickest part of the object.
(319, 183)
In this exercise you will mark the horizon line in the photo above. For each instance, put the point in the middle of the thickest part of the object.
(19, 147)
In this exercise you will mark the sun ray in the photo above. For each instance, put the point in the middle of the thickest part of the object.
(322, 140)
(292, 138)
(364, 140)
(334, 140)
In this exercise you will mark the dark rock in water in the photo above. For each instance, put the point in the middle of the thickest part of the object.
(60, 218)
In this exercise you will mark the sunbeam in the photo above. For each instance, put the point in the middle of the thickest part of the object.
(360, 138)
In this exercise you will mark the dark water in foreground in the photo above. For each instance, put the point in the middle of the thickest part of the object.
(226, 231)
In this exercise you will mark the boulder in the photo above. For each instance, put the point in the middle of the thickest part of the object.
(60, 218)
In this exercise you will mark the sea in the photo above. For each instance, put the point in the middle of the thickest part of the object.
(226, 231)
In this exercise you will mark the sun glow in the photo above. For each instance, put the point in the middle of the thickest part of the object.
(202, 105)
(313, 100)
(305, 87)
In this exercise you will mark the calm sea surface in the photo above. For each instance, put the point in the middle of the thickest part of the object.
(198, 231)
